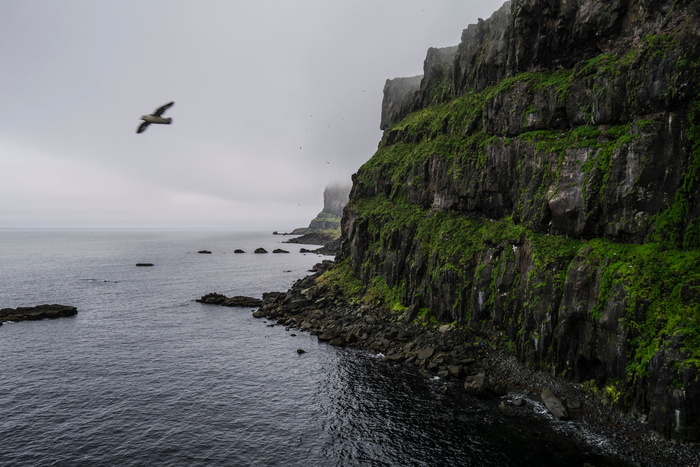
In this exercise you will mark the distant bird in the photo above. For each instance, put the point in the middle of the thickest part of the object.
(155, 117)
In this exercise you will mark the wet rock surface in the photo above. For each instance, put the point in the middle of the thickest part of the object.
(467, 361)
(37, 312)
(223, 300)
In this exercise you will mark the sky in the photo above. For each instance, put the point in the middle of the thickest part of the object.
(274, 100)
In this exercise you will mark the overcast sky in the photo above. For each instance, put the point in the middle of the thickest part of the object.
(274, 100)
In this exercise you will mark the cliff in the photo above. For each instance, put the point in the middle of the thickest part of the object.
(335, 197)
(540, 183)
(324, 229)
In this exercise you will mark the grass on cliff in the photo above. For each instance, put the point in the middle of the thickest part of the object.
(661, 285)
(659, 282)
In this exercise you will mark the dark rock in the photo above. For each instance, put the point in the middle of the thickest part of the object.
(301, 351)
(272, 296)
(260, 250)
(312, 238)
(223, 300)
(426, 353)
(144, 264)
(238, 250)
(505, 408)
(36, 313)
(279, 250)
(337, 342)
(455, 370)
(204, 252)
(399, 96)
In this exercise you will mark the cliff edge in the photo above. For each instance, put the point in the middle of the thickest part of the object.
(540, 183)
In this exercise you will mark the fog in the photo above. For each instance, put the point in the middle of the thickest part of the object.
(274, 100)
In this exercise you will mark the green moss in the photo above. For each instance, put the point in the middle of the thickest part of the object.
(327, 216)
(342, 280)
(671, 225)
(658, 283)
(424, 318)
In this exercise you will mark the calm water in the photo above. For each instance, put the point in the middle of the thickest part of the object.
(143, 375)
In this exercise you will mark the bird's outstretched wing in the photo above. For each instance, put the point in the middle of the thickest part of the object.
(142, 127)
(162, 109)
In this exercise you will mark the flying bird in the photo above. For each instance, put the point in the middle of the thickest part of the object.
(156, 117)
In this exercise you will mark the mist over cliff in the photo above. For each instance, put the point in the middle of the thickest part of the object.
(541, 183)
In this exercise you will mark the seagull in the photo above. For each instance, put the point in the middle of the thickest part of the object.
(155, 117)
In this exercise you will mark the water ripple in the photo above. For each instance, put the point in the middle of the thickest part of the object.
(144, 375)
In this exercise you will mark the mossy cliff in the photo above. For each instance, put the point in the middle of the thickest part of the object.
(541, 183)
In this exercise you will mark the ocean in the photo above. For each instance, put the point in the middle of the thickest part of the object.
(144, 375)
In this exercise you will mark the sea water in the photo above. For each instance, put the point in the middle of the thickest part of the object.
(144, 375)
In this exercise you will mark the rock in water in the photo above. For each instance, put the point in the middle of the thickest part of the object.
(476, 385)
(554, 405)
(37, 312)
(260, 250)
(237, 301)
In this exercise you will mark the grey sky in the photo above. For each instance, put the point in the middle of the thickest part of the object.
(274, 99)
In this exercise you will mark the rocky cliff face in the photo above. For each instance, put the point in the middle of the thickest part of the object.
(335, 197)
(541, 182)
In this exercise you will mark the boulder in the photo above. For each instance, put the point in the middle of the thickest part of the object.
(476, 384)
(204, 252)
(238, 250)
(144, 264)
(426, 353)
(554, 405)
(279, 250)
(260, 250)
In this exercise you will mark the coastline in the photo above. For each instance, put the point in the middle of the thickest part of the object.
(466, 361)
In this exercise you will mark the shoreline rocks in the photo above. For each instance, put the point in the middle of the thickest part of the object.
(467, 361)
(37, 312)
